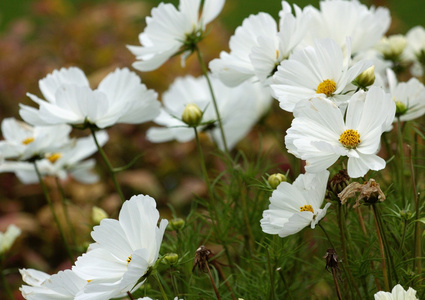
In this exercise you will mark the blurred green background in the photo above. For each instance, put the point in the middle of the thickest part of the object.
(406, 13)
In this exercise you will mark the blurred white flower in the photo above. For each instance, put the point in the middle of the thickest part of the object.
(319, 134)
(392, 47)
(8, 238)
(397, 293)
(64, 285)
(170, 31)
(339, 19)
(319, 71)
(415, 49)
(123, 251)
(240, 108)
(295, 206)
(119, 98)
(258, 46)
(409, 97)
(23, 142)
(64, 162)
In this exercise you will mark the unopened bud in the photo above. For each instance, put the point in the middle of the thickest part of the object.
(176, 224)
(171, 258)
(366, 78)
(392, 47)
(98, 214)
(192, 115)
(275, 179)
(400, 108)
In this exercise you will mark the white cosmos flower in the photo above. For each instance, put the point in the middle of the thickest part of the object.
(258, 46)
(319, 134)
(170, 31)
(397, 293)
(68, 161)
(239, 107)
(321, 71)
(123, 251)
(415, 49)
(64, 285)
(339, 19)
(409, 97)
(119, 98)
(296, 206)
(22, 141)
(8, 238)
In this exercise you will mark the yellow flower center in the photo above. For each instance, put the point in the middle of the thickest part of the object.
(54, 157)
(128, 259)
(350, 138)
(307, 207)
(28, 141)
(327, 87)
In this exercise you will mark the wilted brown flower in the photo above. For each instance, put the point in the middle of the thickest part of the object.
(370, 192)
(202, 255)
(337, 183)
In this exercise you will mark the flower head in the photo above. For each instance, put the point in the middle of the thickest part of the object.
(119, 98)
(123, 251)
(397, 293)
(295, 206)
(170, 31)
(415, 49)
(320, 135)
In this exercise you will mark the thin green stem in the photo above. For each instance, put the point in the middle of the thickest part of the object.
(161, 288)
(327, 236)
(382, 251)
(66, 212)
(4, 281)
(173, 280)
(288, 291)
(401, 160)
(269, 264)
(217, 112)
(52, 209)
(417, 266)
(108, 165)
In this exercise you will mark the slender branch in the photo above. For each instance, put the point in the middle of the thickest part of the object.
(108, 165)
(212, 282)
(66, 212)
(401, 160)
(382, 251)
(4, 281)
(130, 295)
(161, 288)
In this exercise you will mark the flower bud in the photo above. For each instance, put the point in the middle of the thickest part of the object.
(98, 214)
(192, 115)
(171, 258)
(275, 179)
(392, 47)
(176, 224)
(8, 238)
(400, 108)
(366, 78)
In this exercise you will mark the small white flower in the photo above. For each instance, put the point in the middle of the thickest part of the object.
(8, 238)
(320, 135)
(339, 19)
(22, 141)
(415, 49)
(258, 46)
(321, 71)
(409, 97)
(119, 98)
(397, 293)
(170, 31)
(64, 285)
(296, 206)
(124, 250)
(239, 107)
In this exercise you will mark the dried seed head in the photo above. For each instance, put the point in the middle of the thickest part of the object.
(337, 184)
(370, 192)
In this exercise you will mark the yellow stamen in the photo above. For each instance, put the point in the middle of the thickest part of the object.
(128, 259)
(327, 87)
(54, 157)
(28, 141)
(307, 207)
(277, 53)
(350, 138)
(88, 280)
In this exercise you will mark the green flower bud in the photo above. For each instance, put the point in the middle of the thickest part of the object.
(176, 224)
(192, 115)
(400, 108)
(392, 47)
(98, 214)
(275, 179)
(366, 78)
(171, 258)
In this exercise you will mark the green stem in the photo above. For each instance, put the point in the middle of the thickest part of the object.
(66, 212)
(108, 165)
(173, 281)
(217, 112)
(161, 288)
(327, 236)
(382, 250)
(4, 281)
(401, 160)
(52, 209)
(279, 270)
(417, 267)
(269, 264)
